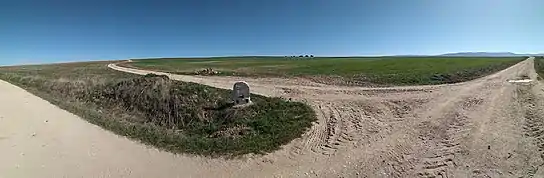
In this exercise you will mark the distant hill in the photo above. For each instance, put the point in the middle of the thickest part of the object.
(483, 54)
(489, 54)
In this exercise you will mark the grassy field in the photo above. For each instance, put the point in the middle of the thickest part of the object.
(369, 71)
(176, 116)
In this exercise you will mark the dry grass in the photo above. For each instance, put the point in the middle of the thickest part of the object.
(176, 116)
(539, 66)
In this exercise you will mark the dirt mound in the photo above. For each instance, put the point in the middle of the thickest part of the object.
(203, 118)
(162, 101)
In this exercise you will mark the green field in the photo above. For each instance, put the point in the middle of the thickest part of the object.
(171, 115)
(372, 71)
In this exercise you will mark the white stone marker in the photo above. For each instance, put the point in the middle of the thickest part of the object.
(240, 93)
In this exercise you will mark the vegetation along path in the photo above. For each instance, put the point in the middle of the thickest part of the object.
(487, 127)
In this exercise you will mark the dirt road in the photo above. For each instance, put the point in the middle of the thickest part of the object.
(483, 128)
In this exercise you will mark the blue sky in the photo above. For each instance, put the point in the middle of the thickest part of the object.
(41, 31)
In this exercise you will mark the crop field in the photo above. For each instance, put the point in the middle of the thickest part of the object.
(368, 71)
(172, 115)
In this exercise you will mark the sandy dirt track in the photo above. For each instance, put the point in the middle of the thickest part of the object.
(483, 128)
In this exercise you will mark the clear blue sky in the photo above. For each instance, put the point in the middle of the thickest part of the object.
(70, 30)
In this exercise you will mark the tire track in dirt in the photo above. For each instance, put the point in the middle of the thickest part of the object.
(532, 99)
(445, 143)
(341, 126)
(448, 133)
(440, 142)
(440, 133)
(444, 134)
(457, 144)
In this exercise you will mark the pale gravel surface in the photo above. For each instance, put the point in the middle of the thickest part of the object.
(481, 128)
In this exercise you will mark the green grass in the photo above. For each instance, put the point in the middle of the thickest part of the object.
(381, 71)
(176, 116)
(539, 66)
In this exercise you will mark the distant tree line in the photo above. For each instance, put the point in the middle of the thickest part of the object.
(302, 56)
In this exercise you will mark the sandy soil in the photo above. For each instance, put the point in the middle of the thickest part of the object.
(483, 128)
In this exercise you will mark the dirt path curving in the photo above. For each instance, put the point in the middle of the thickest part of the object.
(482, 128)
